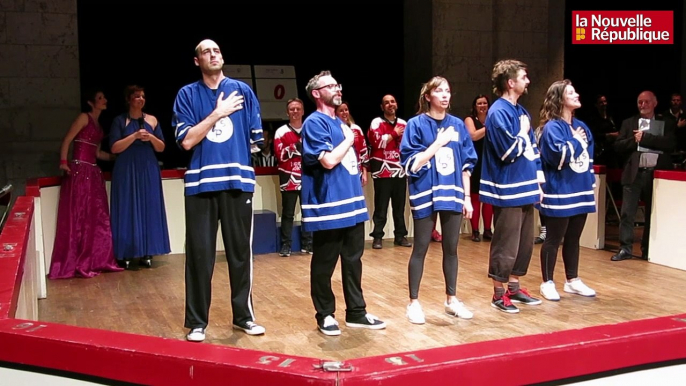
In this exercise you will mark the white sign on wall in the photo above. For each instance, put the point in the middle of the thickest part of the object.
(274, 86)
(242, 72)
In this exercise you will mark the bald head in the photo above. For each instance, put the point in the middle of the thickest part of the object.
(646, 104)
(207, 43)
(389, 106)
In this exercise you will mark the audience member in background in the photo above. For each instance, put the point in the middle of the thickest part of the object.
(288, 146)
(83, 238)
(675, 112)
(361, 149)
(646, 141)
(604, 132)
(265, 157)
(139, 219)
(475, 125)
(390, 181)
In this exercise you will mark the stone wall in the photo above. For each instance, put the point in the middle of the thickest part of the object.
(39, 85)
(469, 36)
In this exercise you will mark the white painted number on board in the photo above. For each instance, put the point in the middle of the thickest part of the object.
(399, 361)
(269, 359)
(29, 327)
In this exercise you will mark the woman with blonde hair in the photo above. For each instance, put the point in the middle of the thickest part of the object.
(438, 156)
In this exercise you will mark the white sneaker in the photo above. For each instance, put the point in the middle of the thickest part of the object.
(415, 314)
(457, 308)
(196, 335)
(549, 292)
(578, 287)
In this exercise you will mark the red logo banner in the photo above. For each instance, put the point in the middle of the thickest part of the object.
(622, 27)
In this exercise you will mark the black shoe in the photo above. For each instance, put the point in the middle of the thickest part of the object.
(329, 326)
(540, 239)
(522, 296)
(475, 237)
(145, 262)
(377, 244)
(250, 328)
(307, 249)
(621, 255)
(366, 321)
(504, 304)
(402, 242)
(285, 250)
(126, 263)
(488, 235)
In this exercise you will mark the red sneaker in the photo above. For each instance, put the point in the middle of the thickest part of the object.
(435, 236)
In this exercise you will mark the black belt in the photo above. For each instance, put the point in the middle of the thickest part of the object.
(646, 169)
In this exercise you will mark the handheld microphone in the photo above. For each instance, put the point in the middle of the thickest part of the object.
(141, 123)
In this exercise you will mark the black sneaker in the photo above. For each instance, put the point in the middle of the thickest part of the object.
(329, 326)
(522, 296)
(285, 250)
(540, 239)
(307, 248)
(250, 328)
(367, 321)
(504, 304)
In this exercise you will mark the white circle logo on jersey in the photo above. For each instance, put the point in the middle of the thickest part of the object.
(580, 164)
(221, 131)
(525, 125)
(350, 162)
(445, 161)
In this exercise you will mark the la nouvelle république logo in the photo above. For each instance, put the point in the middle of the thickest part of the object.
(622, 27)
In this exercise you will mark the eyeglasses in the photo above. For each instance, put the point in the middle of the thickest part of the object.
(332, 87)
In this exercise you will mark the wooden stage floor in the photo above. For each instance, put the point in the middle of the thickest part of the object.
(151, 302)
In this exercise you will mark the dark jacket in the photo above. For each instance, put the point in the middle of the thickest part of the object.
(626, 145)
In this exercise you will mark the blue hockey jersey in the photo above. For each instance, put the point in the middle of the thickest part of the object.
(331, 198)
(511, 170)
(221, 160)
(568, 170)
(437, 185)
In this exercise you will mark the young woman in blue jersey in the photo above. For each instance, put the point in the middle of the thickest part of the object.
(566, 147)
(438, 156)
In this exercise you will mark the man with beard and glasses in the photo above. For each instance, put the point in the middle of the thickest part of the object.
(333, 208)
(218, 120)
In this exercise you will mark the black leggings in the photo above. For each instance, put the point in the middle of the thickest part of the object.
(557, 228)
(450, 225)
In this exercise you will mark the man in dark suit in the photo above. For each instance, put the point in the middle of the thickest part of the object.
(646, 140)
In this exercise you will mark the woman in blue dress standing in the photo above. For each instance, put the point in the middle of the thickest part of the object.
(139, 220)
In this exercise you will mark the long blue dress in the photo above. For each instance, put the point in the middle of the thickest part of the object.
(139, 220)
